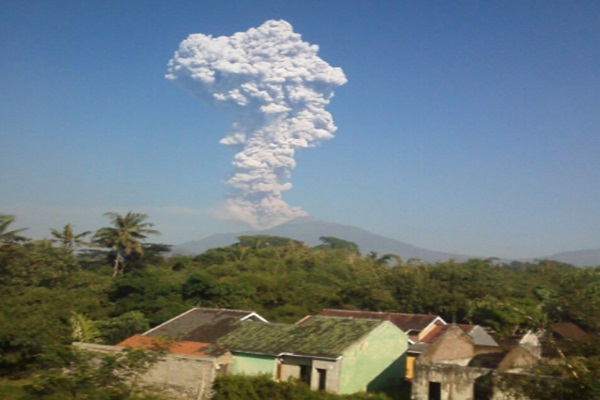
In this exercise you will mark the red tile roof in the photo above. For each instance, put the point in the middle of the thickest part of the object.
(184, 347)
(439, 329)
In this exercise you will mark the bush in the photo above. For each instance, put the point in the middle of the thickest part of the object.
(241, 387)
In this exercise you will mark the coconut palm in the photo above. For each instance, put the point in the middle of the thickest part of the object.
(84, 329)
(124, 237)
(9, 236)
(67, 238)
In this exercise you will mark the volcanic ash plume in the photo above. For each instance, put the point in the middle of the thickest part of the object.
(279, 88)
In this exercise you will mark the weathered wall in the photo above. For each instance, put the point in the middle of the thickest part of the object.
(457, 382)
(186, 377)
(375, 363)
(289, 367)
(183, 377)
(253, 364)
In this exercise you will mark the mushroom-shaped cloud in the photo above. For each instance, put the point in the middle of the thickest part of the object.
(279, 88)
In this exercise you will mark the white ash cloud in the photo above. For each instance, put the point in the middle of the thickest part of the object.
(279, 88)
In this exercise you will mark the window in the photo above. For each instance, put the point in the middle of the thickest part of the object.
(435, 391)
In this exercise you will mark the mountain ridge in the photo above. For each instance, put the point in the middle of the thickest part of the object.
(309, 229)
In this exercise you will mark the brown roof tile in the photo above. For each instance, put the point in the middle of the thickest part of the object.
(439, 329)
(569, 331)
(406, 322)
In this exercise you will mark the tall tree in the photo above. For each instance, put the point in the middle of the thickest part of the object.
(124, 237)
(9, 236)
(67, 238)
(330, 242)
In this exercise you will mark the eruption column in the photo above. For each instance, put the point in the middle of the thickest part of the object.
(279, 88)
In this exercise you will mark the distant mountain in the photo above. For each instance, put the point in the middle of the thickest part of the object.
(581, 258)
(308, 230)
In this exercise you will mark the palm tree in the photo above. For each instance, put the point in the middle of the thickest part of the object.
(124, 237)
(9, 236)
(84, 329)
(67, 238)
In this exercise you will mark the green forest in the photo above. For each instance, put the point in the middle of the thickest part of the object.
(104, 286)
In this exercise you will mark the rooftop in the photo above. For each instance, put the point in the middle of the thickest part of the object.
(318, 336)
(204, 325)
(406, 322)
(569, 331)
(439, 329)
(146, 343)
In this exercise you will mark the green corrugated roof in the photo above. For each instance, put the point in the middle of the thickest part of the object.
(319, 337)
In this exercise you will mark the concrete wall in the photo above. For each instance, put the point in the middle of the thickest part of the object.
(377, 362)
(253, 364)
(183, 377)
(290, 367)
(457, 382)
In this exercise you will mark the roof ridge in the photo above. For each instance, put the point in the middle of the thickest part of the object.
(223, 309)
(378, 321)
(379, 312)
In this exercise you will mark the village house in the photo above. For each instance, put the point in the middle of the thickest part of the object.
(187, 370)
(454, 367)
(477, 333)
(339, 355)
(441, 371)
(422, 330)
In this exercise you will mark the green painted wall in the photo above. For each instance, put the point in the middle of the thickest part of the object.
(375, 363)
(253, 364)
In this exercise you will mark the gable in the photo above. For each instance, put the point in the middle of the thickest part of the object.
(518, 357)
(477, 333)
(452, 345)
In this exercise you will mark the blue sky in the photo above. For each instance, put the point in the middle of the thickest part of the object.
(467, 126)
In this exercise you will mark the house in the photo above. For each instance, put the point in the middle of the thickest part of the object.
(422, 330)
(185, 372)
(455, 367)
(478, 334)
(205, 325)
(339, 355)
